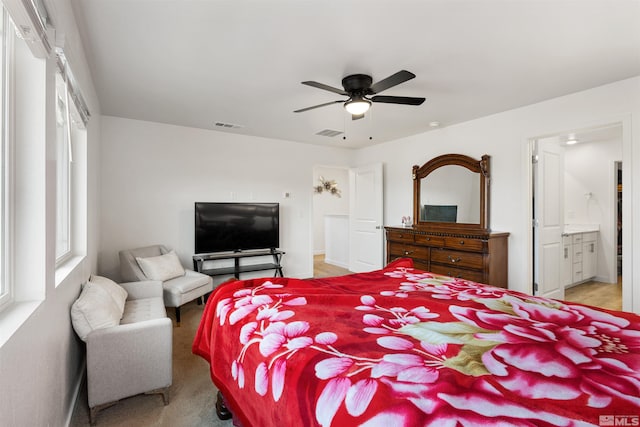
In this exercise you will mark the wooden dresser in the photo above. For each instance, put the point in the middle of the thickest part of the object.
(480, 257)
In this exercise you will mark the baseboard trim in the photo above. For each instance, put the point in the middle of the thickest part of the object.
(76, 392)
(336, 263)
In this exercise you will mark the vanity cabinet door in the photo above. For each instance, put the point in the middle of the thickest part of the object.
(589, 256)
(567, 261)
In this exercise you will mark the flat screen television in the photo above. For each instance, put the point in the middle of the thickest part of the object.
(224, 226)
(441, 213)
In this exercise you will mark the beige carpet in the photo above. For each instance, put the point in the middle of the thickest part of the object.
(192, 395)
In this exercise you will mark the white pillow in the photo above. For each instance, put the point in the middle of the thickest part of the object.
(94, 309)
(163, 267)
(117, 292)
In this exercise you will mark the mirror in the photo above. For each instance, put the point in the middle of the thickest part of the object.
(451, 191)
(450, 194)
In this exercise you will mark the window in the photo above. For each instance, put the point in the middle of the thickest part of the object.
(71, 119)
(63, 171)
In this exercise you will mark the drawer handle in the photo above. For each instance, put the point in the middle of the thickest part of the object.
(428, 238)
(462, 242)
(408, 252)
(451, 275)
(453, 260)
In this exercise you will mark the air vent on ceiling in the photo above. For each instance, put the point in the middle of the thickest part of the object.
(228, 125)
(329, 132)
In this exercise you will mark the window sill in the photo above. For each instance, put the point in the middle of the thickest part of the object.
(67, 267)
(14, 316)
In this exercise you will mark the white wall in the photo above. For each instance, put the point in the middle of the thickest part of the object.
(590, 169)
(505, 137)
(328, 204)
(153, 173)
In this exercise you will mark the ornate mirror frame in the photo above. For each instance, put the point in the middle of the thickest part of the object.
(480, 167)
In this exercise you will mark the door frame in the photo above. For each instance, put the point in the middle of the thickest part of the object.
(314, 218)
(630, 295)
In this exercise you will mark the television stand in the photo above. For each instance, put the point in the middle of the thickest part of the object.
(199, 260)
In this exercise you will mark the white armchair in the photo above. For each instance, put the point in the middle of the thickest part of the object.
(180, 285)
(129, 341)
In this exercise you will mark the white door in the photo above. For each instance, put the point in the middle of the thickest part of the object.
(365, 218)
(548, 205)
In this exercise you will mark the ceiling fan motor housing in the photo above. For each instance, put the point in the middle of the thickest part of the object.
(358, 84)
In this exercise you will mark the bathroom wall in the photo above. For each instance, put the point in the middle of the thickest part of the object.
(590, 196)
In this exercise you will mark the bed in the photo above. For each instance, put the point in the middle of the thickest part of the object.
(405, 347)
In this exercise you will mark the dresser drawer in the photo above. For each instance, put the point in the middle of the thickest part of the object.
(429, 240)
(464, 243)
(457, 258)
(421, 264)
(411, 251)
(399, 236)
(459, 273)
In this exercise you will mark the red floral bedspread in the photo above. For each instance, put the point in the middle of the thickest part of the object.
(403, 347)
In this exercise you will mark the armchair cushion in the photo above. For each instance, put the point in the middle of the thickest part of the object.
(161, 267)
(94, 309)
(140, 310)
(188, 287)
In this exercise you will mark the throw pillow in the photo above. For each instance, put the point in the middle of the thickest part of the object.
(163, 267)
(115, 291)
(94, 309)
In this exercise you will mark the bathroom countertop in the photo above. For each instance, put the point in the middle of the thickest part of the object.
(580, 228)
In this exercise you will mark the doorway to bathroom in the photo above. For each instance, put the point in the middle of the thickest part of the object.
(577, 219)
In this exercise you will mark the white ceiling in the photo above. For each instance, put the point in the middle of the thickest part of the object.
(195, 63)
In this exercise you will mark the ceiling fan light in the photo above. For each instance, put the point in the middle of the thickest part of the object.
(357, 106)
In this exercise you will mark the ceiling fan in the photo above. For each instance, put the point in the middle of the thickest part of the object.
(358, 87)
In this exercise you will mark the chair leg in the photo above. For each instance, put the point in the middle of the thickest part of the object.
(164, 392)
(93, 412)
(178, 315)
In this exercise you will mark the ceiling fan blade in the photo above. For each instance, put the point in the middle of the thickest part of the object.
(393, 80)
(316, 106)
(407, 100)
(357, 116)
(325, 87)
